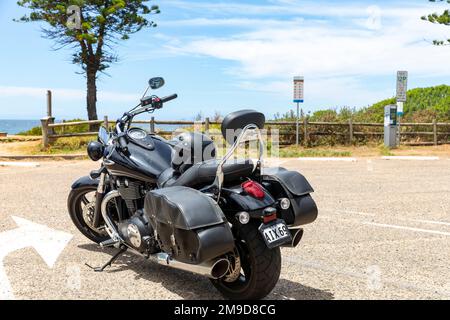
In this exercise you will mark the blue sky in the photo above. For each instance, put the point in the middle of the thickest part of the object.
(227, 55)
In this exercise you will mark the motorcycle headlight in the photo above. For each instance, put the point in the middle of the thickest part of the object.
(95, 150)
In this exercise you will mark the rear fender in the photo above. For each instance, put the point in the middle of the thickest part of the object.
(238, 201)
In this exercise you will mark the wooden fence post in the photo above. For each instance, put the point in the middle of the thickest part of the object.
(435, 136)
(350, 127)
(305, 125)
(106, 122)
(49, 104)
(207, 126)
(44, 126)
(152, 125)
(63, 129)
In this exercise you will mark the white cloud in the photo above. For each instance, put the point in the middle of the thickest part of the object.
(342, 49)
(302, 7)
(232, 22)
(64, 94)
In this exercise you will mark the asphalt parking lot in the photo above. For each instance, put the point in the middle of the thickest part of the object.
(383, 232)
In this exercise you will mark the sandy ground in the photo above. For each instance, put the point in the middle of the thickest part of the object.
(31, 147)
(18, 148)
(383, 233)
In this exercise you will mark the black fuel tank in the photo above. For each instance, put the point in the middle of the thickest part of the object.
(140, 163)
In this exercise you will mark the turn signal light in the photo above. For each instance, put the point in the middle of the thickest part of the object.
(254, 189)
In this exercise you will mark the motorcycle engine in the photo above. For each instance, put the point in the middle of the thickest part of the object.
(139, 234)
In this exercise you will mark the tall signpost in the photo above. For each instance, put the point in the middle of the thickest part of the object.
(299, 83)
(402, 88)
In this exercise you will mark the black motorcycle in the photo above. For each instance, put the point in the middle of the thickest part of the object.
(174, 203)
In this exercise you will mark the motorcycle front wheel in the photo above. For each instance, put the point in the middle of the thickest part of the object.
(81, 203)
(260, 267)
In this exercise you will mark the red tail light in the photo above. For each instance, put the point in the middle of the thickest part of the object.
(254, 189)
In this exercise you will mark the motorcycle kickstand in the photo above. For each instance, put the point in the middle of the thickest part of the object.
(110, 262)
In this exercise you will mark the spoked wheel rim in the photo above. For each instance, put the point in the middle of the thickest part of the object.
(244, 278)
(85, 212)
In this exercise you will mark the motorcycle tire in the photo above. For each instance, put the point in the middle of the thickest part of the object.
(74, 203)
(261, 267)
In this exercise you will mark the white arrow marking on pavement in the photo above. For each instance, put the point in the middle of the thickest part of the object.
(48, 243)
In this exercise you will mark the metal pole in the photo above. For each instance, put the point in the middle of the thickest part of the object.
(399, 128)
(298, 125)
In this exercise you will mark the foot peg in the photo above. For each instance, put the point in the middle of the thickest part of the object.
(109, 243)
(110, 262)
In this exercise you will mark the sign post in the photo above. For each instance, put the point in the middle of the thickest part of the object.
(402, 88)
(299, 83)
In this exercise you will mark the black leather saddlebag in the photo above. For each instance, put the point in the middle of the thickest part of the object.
(191, 226)
(282, 183)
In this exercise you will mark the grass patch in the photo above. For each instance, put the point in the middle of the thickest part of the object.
(385, 151)
(65, 146)
(293, 152)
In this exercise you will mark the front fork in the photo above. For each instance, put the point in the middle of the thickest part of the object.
(99, 199)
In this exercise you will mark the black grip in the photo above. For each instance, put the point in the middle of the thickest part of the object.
(169, 98)
(123, 143)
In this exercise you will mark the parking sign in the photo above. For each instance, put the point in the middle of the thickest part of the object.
(299, 83)
(402, 85)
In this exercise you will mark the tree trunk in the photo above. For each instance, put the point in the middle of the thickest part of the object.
(91, 98)
(92, 95)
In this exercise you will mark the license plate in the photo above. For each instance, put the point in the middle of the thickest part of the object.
(275, 233)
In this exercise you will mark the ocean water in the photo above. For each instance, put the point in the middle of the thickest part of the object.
(16, 126)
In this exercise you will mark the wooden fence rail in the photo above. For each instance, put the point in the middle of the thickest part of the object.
(349, 130)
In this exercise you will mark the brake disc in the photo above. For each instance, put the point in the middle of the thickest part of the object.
(88, 217)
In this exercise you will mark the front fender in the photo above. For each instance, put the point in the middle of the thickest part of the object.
(86, 181)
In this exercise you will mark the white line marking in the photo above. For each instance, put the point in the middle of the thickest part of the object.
(432, 222)
(407, 228)
(413, 158)
(344, 271)
(443, 223)
(328, 159)
(20, 164)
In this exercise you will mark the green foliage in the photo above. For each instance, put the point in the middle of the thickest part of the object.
(67, 145)
(423, 105)
(37, 131)
(103, 22)
(91, 28)
(385, 151)
(294, 152)
(439, 18)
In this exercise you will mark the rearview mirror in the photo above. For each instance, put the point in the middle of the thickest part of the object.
(156, 83)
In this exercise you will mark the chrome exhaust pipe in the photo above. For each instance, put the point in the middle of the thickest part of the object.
(214, 269)
(297, 235)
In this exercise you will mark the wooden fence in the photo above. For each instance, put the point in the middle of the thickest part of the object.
(349, 133)
(310, 133)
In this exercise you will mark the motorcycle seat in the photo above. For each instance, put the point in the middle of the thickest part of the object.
(203, 173)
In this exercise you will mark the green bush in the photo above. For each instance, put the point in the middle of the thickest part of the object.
(37, 131)
(423, 106)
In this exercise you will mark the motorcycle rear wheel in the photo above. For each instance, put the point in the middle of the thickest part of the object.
(76, 202)
(260, 267)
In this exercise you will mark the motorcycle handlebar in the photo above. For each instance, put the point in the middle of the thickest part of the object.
(123, 143)
(169, 98)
